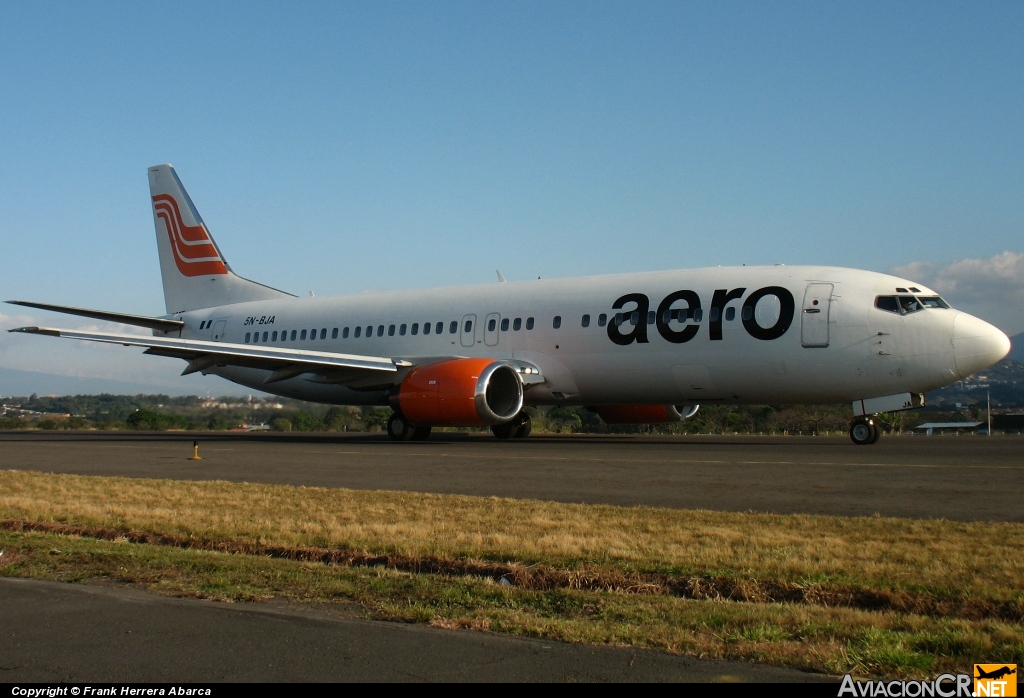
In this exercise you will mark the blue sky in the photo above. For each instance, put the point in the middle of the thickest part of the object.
(339, 147)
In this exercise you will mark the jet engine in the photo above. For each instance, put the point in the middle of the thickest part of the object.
(644, 414)
(461, 393)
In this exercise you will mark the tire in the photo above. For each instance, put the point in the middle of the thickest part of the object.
(506, 430)
(524, 427)
(399, 428)
(863, 431)
(877, 435)
(420, 433)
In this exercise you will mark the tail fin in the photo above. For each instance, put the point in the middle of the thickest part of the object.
(195, 273)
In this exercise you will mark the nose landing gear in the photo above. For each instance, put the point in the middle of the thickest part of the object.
(864, 431)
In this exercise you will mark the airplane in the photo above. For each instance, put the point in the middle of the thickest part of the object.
(635, 348)
(994, 674)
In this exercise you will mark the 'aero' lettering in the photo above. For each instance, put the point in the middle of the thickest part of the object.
(719, 301)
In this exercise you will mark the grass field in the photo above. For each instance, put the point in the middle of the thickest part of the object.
(876, 596)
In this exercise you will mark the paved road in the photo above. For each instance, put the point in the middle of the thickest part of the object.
(52, 632)
(960, 478)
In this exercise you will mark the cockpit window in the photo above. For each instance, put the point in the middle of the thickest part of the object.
(905, 305)
(909, 304)
(887, 303)
(933, 302)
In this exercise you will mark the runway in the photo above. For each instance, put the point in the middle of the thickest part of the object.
(957, 478)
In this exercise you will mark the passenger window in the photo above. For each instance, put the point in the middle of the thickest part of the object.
(698, 314)
(517, 324)
(748, 313)
(401, 329)
(369, 331)
(380, 330)
(303, 335)
(469, 326)
(293, 335)
(557, 322)
(334, 333)
(391, 330)
(586, 321)
(264, 336)
(439, 327)
(426, 328)
(651, 317)
(248, 336)
(415, 329)
(359, 331)
(255, 337)
(504, 324)
(312, 334)
(454, 327)
(344, 333)
(887, 303)
(602, 320)
(909, 304)
(273, 337)
(323, 333)
(529, 323)
(491, 324)
(634, 318)
(730, 314)
(714, 315)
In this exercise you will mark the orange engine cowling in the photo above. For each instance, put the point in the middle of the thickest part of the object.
(461, 393)
(644, 414)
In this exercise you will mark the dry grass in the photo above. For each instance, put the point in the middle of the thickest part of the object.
(965, 559)
(696, 582)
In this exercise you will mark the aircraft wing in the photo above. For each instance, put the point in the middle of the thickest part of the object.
(285, 363)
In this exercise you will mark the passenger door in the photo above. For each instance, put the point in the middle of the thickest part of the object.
(815, 315)
(218, 330)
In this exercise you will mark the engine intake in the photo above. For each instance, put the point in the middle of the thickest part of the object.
(644, 414)
(461, 393)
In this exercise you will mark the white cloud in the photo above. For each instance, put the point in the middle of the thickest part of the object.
(991, 288)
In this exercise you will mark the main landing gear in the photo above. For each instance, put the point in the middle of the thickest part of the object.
(864, 431)
(399, 429)
(519, 428)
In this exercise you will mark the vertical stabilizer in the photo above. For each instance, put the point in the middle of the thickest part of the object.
(194, 271)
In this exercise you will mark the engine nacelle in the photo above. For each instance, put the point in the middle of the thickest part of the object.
(644, 414)
(461, 393)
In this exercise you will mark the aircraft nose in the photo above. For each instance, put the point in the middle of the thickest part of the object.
(977, 344)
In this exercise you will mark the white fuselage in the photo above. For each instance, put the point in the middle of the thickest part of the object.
(837, 346)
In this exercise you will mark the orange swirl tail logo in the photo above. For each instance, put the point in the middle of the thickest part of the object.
(194, 251)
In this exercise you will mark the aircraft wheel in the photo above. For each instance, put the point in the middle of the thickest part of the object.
(420, 433)
(863, 431)
(506, 430)
(399, 428)
(524, 426)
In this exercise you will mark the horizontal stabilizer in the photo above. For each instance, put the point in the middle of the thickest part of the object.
(153, 323)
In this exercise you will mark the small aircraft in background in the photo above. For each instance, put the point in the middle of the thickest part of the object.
(635, 348)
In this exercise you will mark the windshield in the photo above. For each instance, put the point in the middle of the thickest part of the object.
(904, 305)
